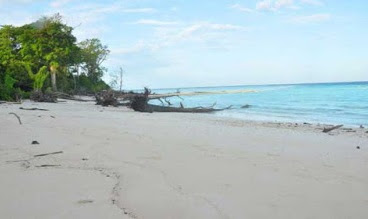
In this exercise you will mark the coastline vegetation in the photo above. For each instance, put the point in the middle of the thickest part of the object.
(45, 57)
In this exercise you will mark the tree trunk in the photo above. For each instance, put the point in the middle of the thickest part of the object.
(53, 78)
(53, 81)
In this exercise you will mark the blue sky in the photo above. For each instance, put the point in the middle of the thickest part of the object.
(182, 43)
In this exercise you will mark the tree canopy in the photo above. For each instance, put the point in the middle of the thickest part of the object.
(44, 55)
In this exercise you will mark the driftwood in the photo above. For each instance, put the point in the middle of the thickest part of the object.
(49, 165)
(140, 103)
(326, 130)
(38, 96)
(156, 108)
(33, 109)
(65, 96)
(41, 155)
(20, 122)
(106, 98)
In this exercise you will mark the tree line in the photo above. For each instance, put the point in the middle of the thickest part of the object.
(44, 56)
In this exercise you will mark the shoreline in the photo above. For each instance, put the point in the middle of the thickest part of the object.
(217, 116)
(117, 163)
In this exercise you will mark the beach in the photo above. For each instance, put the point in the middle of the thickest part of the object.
(111, 162)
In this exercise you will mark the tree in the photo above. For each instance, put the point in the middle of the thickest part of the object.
(117, 79)
(12, 73)
(121, 72)
(32, 52)
(93, 54)
(54, 45)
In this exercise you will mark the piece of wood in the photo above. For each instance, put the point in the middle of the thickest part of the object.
(41, 155)
(49, 165)
(33, 109)
(156, 108)
(20, 122)
(327, 130)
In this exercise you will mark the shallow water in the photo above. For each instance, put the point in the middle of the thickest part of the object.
(332, 103)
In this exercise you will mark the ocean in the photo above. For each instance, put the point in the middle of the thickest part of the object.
(327, 103)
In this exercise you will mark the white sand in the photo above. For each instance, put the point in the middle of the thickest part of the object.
(175, 166)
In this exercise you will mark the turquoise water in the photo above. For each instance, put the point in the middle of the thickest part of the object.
(331, 103)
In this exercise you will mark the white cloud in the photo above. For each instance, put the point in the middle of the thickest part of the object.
(315, 18)
(90, 17)
(16, 1)
(241, 8)
(283, 3)
(155, 22)
(274, 5)
(59, 3)
(264, 5)
(202, 30)
(312, 2)
(168, 35)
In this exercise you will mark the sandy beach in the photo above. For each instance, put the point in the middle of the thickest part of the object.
(116, 163)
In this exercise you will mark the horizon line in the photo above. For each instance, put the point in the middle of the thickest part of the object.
(271, 84)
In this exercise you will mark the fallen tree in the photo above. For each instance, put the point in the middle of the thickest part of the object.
(139, 102)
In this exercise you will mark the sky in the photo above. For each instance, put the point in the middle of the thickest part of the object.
(193, 43)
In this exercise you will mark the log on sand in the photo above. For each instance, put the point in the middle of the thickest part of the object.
(327, 130)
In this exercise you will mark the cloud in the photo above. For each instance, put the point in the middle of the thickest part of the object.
(264, 5)
(283, 3)
(155, 22)
(312, 2)
(315, 18)
(169, 35)
(241, 8)
(16, 1)
(203, 30)
(59, 3)
(274, 5)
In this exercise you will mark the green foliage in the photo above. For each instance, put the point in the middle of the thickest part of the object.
(7, 91)
(48, 47)
(86, 85)
(38, 78)
(93, 54)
